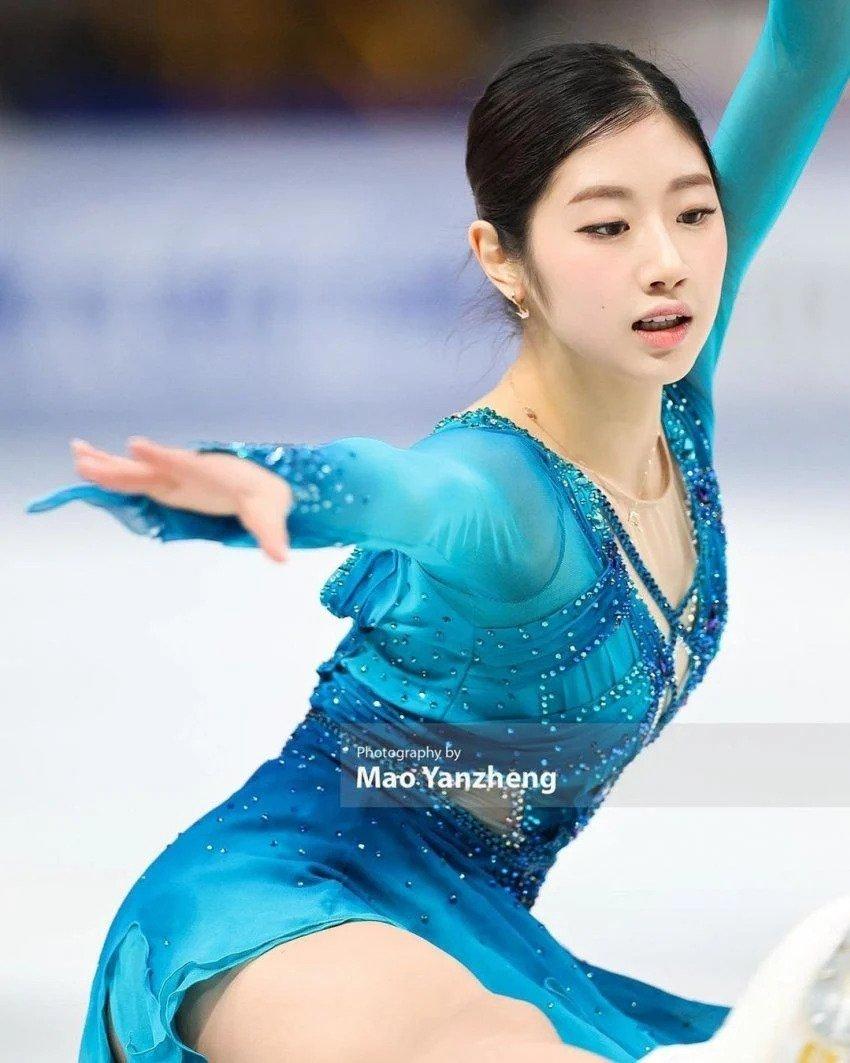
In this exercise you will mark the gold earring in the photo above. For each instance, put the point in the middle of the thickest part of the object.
(521, 311)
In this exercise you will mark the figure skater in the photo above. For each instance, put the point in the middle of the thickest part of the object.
(538, 582)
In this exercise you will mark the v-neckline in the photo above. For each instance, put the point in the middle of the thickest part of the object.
(679, 460)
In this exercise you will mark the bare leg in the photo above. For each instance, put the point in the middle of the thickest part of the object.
(496, 1029)
(366, 992)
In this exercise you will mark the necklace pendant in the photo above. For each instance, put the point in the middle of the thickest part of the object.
(634, 519)
(530, 413)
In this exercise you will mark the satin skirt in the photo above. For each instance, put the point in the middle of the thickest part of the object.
(280, 858)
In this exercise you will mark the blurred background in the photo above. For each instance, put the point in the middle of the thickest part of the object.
(247, 219)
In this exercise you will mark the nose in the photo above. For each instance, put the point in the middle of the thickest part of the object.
(663, 266)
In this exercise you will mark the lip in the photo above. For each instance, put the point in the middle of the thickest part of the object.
(666, 310)
(664, 339)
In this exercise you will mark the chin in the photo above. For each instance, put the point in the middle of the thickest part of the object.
(673, 364)
(659, 367)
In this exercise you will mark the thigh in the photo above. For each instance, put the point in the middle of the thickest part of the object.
(359, 991)
(492, 1028)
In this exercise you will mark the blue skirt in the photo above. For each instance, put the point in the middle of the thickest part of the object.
(281, 858)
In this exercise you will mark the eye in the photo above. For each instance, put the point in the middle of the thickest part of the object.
(705, 211)
(593, 230)
(698, 216)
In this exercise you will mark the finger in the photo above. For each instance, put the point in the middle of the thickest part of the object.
(172, 460)
(119, 474)
(82, 446)
(143, 445)
(268, 526)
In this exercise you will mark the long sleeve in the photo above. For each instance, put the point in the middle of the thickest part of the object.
(771, 124)
(475, 508)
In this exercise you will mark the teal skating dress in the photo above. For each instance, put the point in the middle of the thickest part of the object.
(492, 613)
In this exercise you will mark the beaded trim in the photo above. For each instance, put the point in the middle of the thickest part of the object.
(517, 853)
(337, 578)
(519, 868)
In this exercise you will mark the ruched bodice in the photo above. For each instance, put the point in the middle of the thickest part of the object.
(588, 623)
(577, 678)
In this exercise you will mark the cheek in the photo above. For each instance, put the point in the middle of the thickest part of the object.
(594, 302)
(582, 282)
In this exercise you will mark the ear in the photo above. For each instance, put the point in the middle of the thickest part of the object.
(502, 271)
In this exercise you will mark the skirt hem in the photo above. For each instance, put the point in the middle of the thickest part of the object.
(148, 1033)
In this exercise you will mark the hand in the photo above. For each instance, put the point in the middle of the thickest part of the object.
(214, 483)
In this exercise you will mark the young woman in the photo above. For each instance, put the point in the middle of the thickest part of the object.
(538, 583)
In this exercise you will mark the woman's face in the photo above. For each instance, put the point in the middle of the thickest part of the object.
(606, 257)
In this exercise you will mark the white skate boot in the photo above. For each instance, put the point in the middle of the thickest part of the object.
(795, 1008)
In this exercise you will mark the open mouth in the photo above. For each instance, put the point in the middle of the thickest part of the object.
(659, 324)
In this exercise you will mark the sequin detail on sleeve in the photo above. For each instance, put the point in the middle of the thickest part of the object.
(322, 500)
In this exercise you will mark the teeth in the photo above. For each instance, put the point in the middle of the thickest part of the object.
(660, 321)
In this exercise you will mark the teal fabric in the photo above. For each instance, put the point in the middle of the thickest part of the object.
(490, 608)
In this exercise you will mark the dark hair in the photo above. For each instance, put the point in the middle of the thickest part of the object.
(545, 105)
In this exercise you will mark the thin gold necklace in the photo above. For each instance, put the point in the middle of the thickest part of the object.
(633, 515)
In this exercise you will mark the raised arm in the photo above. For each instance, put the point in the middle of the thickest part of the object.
(774, 118)
(474, 507)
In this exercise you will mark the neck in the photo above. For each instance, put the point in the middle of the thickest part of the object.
(603, 419)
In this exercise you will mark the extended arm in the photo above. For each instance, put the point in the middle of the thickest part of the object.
(774, 118)
(471, 507)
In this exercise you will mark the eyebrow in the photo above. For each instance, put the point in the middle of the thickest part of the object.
(689, 180)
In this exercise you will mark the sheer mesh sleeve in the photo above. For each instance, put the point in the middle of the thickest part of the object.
(476, 508)
(773, 120)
